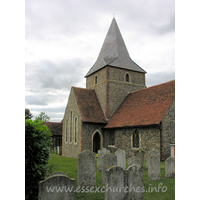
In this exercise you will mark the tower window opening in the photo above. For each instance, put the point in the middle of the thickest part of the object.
(127, 78)
(95, 81)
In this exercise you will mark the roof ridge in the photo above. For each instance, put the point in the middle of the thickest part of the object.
(151, 86)
(144, 108)
(82, 88)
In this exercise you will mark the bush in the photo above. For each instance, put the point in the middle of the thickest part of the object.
(37, 150)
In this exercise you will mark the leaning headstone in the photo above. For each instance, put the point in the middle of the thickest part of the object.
(140, 154)
(56, 187)
(115, 180)
(134, 161)
(121, 158)
(150, 153)
(87, 168)
(154, 168)
(135, 182)
(170, 167)
(101, 152)
(108, 160)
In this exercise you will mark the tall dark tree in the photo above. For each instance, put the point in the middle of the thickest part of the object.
(28, 114)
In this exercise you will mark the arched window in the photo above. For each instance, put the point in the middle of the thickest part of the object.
(135, 140)
(75, 131)
(127, 78)
(66, 129)
(70, 138)
(95, 80)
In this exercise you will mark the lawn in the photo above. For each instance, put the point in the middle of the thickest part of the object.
(70, 166)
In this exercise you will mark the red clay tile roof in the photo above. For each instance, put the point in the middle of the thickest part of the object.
(144, 107)
(89, 105)
(54, 127)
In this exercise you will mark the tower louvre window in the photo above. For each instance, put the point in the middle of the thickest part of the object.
(95, 80)
(127, 78)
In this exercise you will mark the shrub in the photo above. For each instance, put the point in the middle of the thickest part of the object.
(37, 151)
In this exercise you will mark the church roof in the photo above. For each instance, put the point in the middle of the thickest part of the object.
(114, 52)
(144, 107)
(55, 127)
(89, 105)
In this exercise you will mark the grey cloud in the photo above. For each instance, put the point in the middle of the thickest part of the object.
(45, 20)
(46, 98)
(167, 27)
(157, 78)
(35, 100)
(59, 109)
(48, 76)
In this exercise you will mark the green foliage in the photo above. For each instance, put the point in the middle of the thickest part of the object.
(42, 116)
(37, 150)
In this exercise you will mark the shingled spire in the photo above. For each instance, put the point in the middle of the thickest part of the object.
(114, 52)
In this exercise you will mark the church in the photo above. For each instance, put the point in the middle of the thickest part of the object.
(116, 110)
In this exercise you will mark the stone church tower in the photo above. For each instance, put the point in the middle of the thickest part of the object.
(116, 110)
(114, 74)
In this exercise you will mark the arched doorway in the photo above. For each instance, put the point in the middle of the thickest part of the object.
(96, 142)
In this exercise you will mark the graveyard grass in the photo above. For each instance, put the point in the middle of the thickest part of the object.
(70, 166)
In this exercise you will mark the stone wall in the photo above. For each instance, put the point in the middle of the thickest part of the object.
(101, 77)
(149, 138)
(117, 92)
(117, 74)
(71, 149)
(111, 87)
(88, 131)
(168, 132)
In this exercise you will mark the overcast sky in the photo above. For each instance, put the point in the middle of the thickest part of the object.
(63, 39)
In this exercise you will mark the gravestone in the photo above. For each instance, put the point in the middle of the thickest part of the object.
(87, 168)
(124, 184)
(134, 161)
(108, 161)
(154, 168)
(140, 154)
(135, 182)
(150, 153)
(115, 180)
(170, 167)
(56, 187)
(58, 150)
(58, 173)
(101, 152)
(121, 158)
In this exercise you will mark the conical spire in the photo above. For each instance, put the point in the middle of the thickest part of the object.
(114, 52)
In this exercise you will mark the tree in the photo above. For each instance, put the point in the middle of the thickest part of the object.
(43, 117)
(28, 114)
(38, 143)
